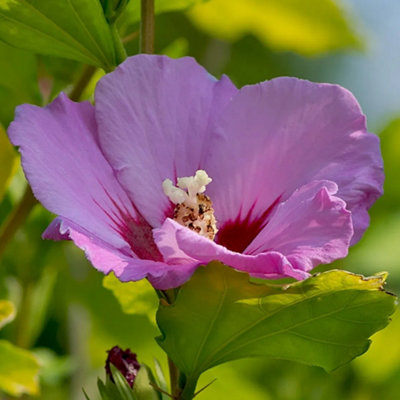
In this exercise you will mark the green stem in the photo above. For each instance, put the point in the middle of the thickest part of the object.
(174, 378)
(82, 82)
(188, 390)
(120, 51)
(147, 27)
(17, 217)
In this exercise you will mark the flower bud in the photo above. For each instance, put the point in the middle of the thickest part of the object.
(125, 361)
(113, 8)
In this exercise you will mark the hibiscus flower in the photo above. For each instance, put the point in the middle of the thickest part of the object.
(172, 168)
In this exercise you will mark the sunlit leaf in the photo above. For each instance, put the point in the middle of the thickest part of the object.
(219, 316)
(134, 297)
(75, 29)
(8, 161)
(7, 312)
(178, 48)
(307, 27)
(18, 370)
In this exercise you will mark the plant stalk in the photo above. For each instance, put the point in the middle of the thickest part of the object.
(174, 379)
(147, 27)
(82, 82)
(188, 390)
(17, 217)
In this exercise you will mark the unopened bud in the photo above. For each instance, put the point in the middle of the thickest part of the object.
(125, 361)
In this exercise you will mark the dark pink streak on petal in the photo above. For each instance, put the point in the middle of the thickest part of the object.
(135, 230)
(236, 235)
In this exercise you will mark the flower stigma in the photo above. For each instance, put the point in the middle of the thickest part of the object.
(193, 208)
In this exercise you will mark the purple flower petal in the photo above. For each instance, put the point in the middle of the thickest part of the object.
(154, 116)
(312, 227)
(293, 170)
(269, 265)
(107, 258)
(102, 255)
(70, 176)
(281, 134)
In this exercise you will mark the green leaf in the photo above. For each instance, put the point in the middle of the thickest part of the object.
(142, 388)
(39, 300)
(18, 80)
(7, 312)
(134, 297)
(307, 27)
(120, 389)
(75, 29)
(107, 391)
(18, 370)
(123, 388)
(219, 316)
(160, 378)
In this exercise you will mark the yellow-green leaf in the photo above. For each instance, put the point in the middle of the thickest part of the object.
(134, 297)
(307, 27)
(19, 370)
(7, 312)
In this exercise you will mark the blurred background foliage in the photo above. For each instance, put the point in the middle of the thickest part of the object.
(68, 314)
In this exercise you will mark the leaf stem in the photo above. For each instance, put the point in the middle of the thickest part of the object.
(147, 27)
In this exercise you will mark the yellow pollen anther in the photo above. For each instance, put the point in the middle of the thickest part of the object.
(193, 208)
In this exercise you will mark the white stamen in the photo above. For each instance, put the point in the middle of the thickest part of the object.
(194, 184)
(193, 208)
(176, 195)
